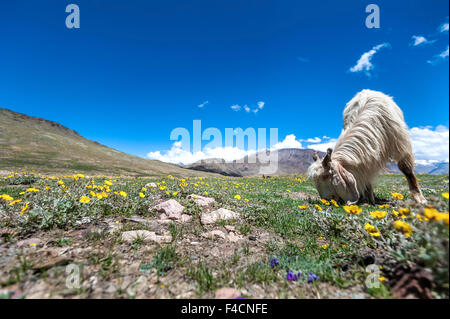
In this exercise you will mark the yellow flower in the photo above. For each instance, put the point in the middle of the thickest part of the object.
(324, 201)
(430, 212)
(123, 194)
(325, 246)
(24, 209)
(381, 278)
(15, 202)
(144, 189)
(162, 188)
(383, 206)
(302, 207)
(85, 199)
(318, 207)
(353, 209)
(378, 214)
(6, 197)
(32, 190)
(372, 230)
(99, 196)
(334, 203)
(60, 182)
(404, 227)
(175, 193)
(108, 183)
(92, 193)
(237, 196)
(404, 211)
(397, 195)
(445, 195)
(141, 195)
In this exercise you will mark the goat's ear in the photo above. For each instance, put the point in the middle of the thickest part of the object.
(315, 156)
(327, 159)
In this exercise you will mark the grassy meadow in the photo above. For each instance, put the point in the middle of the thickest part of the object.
(292, 244)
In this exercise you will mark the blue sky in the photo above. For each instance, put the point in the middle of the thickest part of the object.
(135, 70)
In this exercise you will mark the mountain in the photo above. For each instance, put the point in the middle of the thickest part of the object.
(30, 143)
(437, 168)
(289, 161)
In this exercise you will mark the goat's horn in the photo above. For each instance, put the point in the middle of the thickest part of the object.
(327, 158)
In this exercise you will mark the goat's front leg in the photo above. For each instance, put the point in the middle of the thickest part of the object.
(370, 195)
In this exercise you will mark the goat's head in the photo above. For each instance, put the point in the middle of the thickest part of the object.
(332, 180)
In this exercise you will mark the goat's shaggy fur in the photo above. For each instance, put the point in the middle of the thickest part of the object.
(374, 133)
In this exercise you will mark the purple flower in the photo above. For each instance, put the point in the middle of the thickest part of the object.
(240, 297)
(293, 277)
(274, 262)
(312, 277)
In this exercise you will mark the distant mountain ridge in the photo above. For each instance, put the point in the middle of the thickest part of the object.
(289, 161)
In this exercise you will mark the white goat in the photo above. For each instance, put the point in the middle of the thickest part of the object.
(374, 133)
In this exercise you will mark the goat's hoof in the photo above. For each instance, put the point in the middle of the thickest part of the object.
(420, 199)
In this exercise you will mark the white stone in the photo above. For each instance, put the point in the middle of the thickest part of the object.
(214, 233)
(145, 235)
(171, 208)
(201, 200)
(220, 214)
(227, 293)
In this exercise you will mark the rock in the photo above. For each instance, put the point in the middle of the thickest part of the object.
(233, 237)
(58, 261)
(185, 218)
(220, 214)
(145, 235)
(230, 228)
(227, 293)
(170, 209)
(201, 200)
(83, 220)
(214, 233)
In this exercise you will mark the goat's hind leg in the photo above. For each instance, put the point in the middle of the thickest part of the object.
(406, 166)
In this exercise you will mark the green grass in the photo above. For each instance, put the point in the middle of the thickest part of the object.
(330, 243)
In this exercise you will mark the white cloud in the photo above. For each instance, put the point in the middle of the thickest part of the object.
(322, 147)
(443, 27)
(177, 154)
(430, 145)
(314, 140)
(418, 40)
(236, 107)
(203, 104)
(247, 109)
(364, 63)
(288, 142)
(439, 57)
